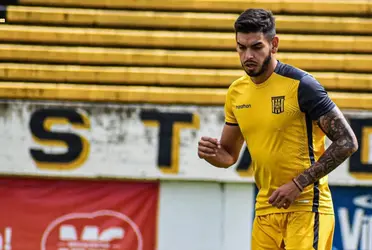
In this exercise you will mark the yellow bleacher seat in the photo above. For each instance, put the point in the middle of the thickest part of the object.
(175, 39)
(117, 75)
(188, 21)
(176, 58)
(158, 76)
(78, 92)
(161, 95)
(359, 7)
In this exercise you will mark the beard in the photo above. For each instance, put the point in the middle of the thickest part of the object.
(261, 70)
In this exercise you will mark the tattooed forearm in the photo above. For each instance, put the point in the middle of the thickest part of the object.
(344, 144)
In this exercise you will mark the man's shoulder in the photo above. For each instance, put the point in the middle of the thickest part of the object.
(292, 72)
(238, 83)
(304, 78)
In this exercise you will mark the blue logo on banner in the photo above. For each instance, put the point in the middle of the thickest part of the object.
(353, 214)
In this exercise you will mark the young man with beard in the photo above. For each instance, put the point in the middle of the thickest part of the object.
(283, 114)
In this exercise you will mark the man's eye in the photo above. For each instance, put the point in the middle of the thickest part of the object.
(241, 47)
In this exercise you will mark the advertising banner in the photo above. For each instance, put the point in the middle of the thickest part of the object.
(353, 214)
(137, 142)
(77, 215)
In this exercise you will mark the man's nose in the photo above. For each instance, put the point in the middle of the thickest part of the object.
(248, 55)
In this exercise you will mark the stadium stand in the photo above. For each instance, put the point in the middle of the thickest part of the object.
(179, 51)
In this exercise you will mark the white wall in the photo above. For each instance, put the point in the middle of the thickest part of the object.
(118, 138)
(205, 216)
(238, 216)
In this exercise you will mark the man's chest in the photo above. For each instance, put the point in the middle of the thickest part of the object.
(266, 111)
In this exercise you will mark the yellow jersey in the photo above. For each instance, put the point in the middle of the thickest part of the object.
(277, 119)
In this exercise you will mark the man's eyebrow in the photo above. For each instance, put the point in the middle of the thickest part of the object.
(252, 45)
(256, 43)
(240, 44)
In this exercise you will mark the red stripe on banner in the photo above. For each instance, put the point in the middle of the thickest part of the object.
(70, 214)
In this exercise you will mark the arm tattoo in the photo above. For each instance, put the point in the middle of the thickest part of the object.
(344, 144)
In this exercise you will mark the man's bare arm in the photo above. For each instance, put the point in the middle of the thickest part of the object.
(223, 153)
(344, 144)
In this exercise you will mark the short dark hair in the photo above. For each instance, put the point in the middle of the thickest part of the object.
(256, 20)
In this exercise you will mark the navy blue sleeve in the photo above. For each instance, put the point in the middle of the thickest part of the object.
(313, 98)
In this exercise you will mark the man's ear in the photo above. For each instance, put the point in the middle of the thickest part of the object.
(275, 45)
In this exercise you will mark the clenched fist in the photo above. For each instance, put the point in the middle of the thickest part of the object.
(208, 147)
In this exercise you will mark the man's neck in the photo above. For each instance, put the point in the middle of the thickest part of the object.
(263, 77)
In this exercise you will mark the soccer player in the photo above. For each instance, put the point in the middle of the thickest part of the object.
(283, 114)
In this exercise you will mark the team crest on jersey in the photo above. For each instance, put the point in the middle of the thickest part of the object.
(277, 103)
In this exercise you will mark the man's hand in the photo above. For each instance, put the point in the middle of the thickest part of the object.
(208, 147)
(222, 153)
(285, 195)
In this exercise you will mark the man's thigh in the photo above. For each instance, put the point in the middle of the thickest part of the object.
(309, 231)
(266, 234)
